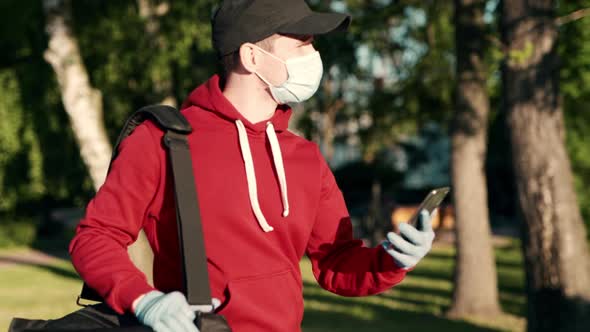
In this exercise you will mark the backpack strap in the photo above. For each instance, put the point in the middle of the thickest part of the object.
(166, 117)
(188, 219)
(195, 274)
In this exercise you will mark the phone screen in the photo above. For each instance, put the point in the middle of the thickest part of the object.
(430, 203)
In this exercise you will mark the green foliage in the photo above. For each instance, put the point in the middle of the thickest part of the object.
(17, 231)
(133, 68)
(396, 67)
(124, 63)
(575, 86)
(21, 159)
(35, 137)
(10, 144)
(522, 56)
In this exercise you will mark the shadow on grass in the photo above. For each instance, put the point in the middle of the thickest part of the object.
(378, 318)
(54, 245)
(430, 273)
(52, 240)
(509, 304)
(392, 320)
(23, 261)
(507, 285)
(441, 255)
(508, 256)
(423, 290)
(404, 299)
(509, 262)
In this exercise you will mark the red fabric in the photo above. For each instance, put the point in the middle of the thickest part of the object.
(255, 274)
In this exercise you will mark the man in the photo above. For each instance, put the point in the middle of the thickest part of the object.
(267, 196)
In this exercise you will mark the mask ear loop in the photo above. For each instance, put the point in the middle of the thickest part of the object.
(267, 82)
(315, 54)
(264, 80)
(270, 86)
(268, 53)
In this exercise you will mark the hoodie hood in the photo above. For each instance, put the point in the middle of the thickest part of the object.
(209, 97)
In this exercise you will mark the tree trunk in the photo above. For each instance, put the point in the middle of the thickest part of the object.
(83, 103)
(476, 287)
(372, 225)
(555, 247)
(329, 106)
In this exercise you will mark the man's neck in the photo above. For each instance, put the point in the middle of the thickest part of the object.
(249, 97)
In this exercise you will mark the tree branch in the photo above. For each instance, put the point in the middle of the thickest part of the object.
(573, 16)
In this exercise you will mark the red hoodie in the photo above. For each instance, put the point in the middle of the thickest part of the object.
(253, 270)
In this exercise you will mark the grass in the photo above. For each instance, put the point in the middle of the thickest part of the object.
(417, 304)
(37, 291)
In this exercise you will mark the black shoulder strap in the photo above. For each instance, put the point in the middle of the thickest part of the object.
(166, 117)
(190, 232)
(195, 274)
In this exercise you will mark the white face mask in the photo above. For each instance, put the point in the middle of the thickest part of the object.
(304, 76)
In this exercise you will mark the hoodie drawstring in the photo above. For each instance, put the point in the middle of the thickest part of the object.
(278, 159)
(251, 174)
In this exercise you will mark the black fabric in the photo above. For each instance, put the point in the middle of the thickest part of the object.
(248, 21)
(190, 233)
(88, 293)
(166, 117)
(210, 322)
(100, 317)
(316, 24)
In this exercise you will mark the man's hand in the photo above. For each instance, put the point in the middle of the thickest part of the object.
(412, 244)
(166, 312)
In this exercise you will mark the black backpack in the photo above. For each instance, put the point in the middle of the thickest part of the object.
(100, 317)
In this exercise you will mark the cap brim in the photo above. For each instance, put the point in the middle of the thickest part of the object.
(317, 24)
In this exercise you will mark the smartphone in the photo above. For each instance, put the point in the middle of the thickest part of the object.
(430, 203)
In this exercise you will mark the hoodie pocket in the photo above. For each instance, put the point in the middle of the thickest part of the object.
(270, 302)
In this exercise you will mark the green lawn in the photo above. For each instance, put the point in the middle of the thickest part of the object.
(45, 291)
(418, 304)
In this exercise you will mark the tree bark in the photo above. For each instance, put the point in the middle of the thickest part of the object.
(555, 247)
(330, 106)
(476, 287)
(83, 103)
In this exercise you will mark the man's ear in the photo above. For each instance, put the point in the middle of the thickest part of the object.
(248, 57)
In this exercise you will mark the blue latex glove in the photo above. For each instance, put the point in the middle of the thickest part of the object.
(413, 243)
(166, 312)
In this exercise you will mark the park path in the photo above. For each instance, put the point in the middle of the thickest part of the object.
(26, 257)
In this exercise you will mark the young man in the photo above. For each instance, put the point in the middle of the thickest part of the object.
(267, 196)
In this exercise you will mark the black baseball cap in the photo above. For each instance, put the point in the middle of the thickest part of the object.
(248, 21)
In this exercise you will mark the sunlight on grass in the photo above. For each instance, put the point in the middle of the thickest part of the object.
(37, 292)
(417, 304)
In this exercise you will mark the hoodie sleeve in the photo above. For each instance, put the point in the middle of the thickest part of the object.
(112, 222)
(340, 263)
